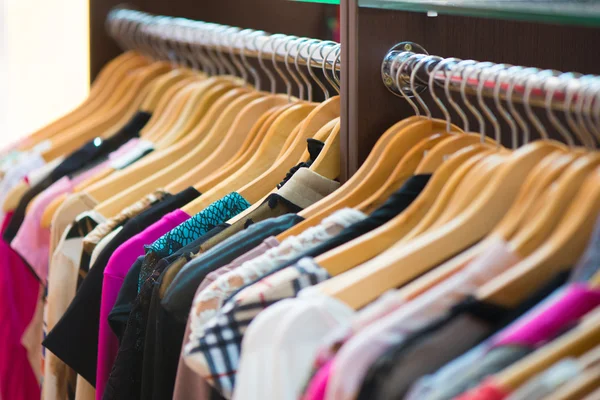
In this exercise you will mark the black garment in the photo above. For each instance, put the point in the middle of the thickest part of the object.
(314, 149)
(179, 297)
(393, 206)
(125, 381)
(118, 316)
(425, 351)
(83, 159)
(74, 339)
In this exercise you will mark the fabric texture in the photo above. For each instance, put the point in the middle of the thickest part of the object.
(76, 333)
(180, 295)
(65, 276)
(357, 355)
(94, 237)
(17, 306)
(207, 304)
(286, 334)
(125, 255)
(215, 214)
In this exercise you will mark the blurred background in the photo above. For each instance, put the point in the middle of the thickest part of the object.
(44, 62)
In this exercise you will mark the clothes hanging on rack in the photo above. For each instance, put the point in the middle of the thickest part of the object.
(201, 246)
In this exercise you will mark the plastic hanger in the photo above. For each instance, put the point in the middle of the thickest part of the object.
(398, 265)
(574, 343)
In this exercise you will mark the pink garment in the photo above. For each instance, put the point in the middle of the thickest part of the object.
(357, 355)
(18, 298)
(318, 384)
(577, 301)
(486, 391)
(32, 241)
(114, 275)
(188, 384)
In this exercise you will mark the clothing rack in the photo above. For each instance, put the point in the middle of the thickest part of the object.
(135, 29)
(294, 18)
(370, 30)
(408, 73)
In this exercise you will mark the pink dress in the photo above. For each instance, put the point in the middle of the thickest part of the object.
(18, 297)
(114, 274)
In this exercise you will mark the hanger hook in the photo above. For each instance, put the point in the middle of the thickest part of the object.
(228, 40)
(319, 45)
(399, 86)
(499, 82)
(486, 69)
(338, 59)
(413, 77)
(218, 33)
(551, 85)
(439, 67)
(465, 68)
(288, 41)
(211, 48)
(591, 133)
(589, 107)
(300, 44)
(261, 61)
(530, 83)
(204, 46)
(252, 35)
(512, 73)
(572, 85)
(275, 50)
(596, 104)
(448, 75)
(332, 47)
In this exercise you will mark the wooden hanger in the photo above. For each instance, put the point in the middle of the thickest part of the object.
(328, 135)
(162, 85)
(99, 126)
(110, 76)
(394, 268)
(249, 148)
(264, 157)
(558, 200)
(222, 114)
(580, 387)
(238, 137)
(365, 169)
(121, 180)
(536, 182)
(560, 251)
(117, 181)
(409, 163)
(574, 343)
(310, 127)
(196, 109)
(373, 243)
(400, 143)
(595, 280)
(170, 104)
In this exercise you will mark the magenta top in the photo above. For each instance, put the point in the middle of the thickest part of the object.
(18, 298)
(114, 275)
(32, 241)
(576, 302)
(318, 384)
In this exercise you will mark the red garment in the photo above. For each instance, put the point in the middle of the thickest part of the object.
(488, 390)
(19, 291)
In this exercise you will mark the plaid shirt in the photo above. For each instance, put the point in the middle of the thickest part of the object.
(216, 354)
